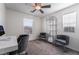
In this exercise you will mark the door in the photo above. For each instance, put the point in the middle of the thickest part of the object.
(51, 24)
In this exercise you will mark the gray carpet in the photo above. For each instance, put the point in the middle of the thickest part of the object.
(37, 47)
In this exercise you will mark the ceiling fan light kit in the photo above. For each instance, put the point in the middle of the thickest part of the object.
(38, 6)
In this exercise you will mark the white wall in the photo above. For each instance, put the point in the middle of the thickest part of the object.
(2, 14)
(74, 37)
(14, 23)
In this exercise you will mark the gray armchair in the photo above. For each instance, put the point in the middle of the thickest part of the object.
(62, 40)
(43, 36)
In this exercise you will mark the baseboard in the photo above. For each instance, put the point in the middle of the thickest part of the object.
(45, 41)
(72, 49)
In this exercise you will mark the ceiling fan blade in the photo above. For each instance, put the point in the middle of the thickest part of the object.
(36, 4)
(46, 6)
(33, 10)
(41, 11)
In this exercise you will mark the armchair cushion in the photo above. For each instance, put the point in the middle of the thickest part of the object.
(62, 39)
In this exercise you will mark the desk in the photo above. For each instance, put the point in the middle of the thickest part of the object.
(8, 45)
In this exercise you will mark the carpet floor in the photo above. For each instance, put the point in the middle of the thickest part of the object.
(38, 47)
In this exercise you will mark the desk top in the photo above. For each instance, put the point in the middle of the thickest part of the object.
(8, 44)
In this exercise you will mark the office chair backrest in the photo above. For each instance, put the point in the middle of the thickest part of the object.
(2, 32)
(22, 42)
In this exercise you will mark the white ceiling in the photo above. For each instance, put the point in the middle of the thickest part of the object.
(27, 7)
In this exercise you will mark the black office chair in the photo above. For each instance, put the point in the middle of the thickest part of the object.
(2, 32)
(62, 40)
(22, 45)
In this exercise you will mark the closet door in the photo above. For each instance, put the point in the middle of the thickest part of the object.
(51, 23)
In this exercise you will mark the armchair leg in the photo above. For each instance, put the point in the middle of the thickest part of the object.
(26, 53)
(64, 49)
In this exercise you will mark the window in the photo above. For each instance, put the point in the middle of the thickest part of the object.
(69, 22)
(28, 23)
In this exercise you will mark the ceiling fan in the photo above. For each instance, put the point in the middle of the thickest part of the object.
(39, 6)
